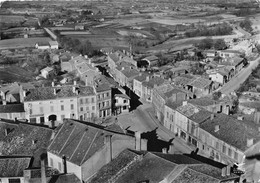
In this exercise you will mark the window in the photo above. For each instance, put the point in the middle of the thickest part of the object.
(194, 142)
(230, 152)
(86, 100)
(52, 109)
(103, 104)
(87, 108)
(125, 101)
(108, 103)
(124, 107)
(41, 110)
(59, 166)
(236, 156)
(51, 162)
(217, 145)
(42, 120)
(33, 120)
(167, 115)
(104, 95)
(71, 100)
(93, 107)
(224, 149)
(14, 180)
(62, 107)
(98, 96)
(61, 101)
(108, 112)
(93, 100)
(31, 111)
(99, 105)
(81, 108)
(62, 117)
(81, 101)
(183, 135)
(108, 94)
(71, 106)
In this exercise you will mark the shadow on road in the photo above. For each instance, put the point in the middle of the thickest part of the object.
(154, 144)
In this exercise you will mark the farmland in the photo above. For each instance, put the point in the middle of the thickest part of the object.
(11, 19)
(21, 42)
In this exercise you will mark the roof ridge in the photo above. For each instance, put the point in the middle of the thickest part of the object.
(56, 136)
(67, 139)
(78, 144)
(184, 166)
(89, 147)
(161, 157)
(204, 173)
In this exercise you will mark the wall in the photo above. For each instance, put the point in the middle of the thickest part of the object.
(158, 103)
(104, 103)
(87, 108)
(13, 115)
(169, 119)
(52, 107)
(217, 77)
(137, 88)
(6, 180)
(71, 168)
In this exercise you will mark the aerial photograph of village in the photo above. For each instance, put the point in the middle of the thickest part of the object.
(129, 91)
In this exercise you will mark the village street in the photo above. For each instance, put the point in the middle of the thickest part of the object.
(240, 77)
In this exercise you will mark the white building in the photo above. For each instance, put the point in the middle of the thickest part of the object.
(54, 44)
(46, 72)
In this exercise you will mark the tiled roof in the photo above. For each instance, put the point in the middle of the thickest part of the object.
(151, 58)
(78, 141)
(103, 83)
(64, 178)
(153, 81)
(114, 57)
(156, 167)
(108, 171)
(13, 166)
(200, 116)
(173, 105)
(180, 80)
(45, 43)
(23, 138)
(200, 83)
(12, 108)
(47, 93)
(141, 77)
(231, 51)
(188, 110)
(232, 131)
(130, 73)
(203, 101)
(48, 69)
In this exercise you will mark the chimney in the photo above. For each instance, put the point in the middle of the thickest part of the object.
(3, 95)
(43, 169)
(228, 170)
(75, 83)
(122, 69)
(164, 150)
(223, 171)
(74, 89)
(184, 103)
(147, 78)
(108, 141)
(55, 91)
(52, 84)
(4, 102)
(6, 131)
(212, 116)
(138, 141)
(240, 118)
(249, 142)
(64, 164)
(24, 93)
(216, 128)
(140, 74)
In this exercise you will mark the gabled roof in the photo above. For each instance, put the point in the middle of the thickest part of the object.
(78, 141)
(13, 166)
(122, 96)
(45, 43)
(157, 167)
(151, 58)
(64, 178)
(200, 82)
(47, 69)
(232, 131)
(47, 93)
(23, 138)
(114, 57)
(203, 101)
(153, 81)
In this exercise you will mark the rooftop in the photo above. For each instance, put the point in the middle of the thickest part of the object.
(47, 93)
(12, 108)
(200, 82)
(203, 101)
(151, 58)
(232, 131)
(122, 96)
(153, 81)
(13, 166)
(114, 57)
(47, 69)
(78, 141)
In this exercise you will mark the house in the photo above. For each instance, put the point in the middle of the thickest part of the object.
(200, 86)
(88, 147)
(50, 105)
(229, 53)
(42, 45)
(22, 138)
(147, 167)
(210, 54)
(237, 63)
(46, 72)
(107, 50)
(152, 60)
(164, 93)
(11, 168)
(122, 103)
(12, 111)
(54, 44)
(84, 69)
(104, 96)
(79, 27)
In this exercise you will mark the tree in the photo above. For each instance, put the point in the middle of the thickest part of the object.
(206, 43)
(246, 24)
(220, 44)
(216, 95)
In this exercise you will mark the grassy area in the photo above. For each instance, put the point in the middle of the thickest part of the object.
(21, 42)
(11, 18)
(15, 73)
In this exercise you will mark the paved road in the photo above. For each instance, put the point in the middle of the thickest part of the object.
(239, 78)
(143, 119)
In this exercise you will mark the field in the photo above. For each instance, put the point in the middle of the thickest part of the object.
(75, 33)
(11, 19)
(14, 73)
(21, 42)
